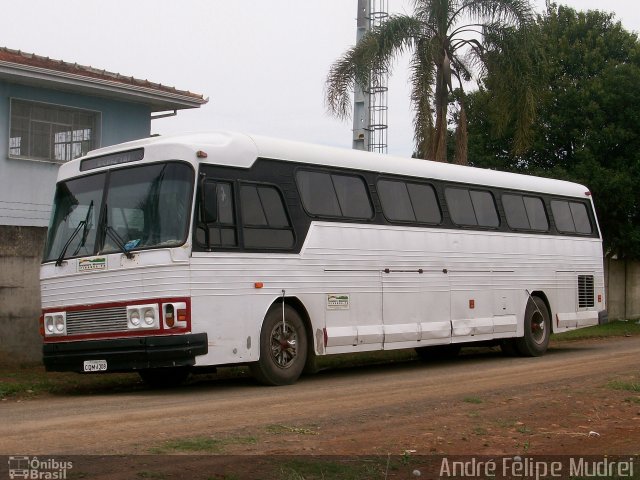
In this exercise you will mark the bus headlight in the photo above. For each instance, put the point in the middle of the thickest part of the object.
(149, 317)
(55, 323)
(134, 318)
(142, 316)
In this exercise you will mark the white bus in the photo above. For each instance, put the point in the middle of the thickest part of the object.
(172, 253)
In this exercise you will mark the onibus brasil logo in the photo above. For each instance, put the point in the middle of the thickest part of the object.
(37, 469)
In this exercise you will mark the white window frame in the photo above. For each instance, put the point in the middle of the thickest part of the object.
(95, 141)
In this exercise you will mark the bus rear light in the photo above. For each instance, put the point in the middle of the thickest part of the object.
(175, 315)
(599, 298)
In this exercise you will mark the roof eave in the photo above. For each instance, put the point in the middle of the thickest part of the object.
(158, 100)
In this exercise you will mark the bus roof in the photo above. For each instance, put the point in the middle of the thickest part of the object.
(242, 150)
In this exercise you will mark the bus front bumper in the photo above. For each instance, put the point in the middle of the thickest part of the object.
(125, 354)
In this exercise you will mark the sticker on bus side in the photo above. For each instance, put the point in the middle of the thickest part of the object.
(338, 301)
(92, 264)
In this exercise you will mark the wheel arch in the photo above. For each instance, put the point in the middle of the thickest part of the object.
(543, 296)
(298, 306)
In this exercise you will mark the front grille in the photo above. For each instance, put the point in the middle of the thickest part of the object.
(585, 291)
(100, 320)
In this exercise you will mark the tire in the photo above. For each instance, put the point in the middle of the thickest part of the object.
(283, 348)
(438, 352)
(537, 329)
(164, 377)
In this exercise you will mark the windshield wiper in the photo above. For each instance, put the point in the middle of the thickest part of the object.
(83, 223)
(109, 230)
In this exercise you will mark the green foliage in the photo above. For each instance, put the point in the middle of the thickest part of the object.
(445, 39)
(624, 385)
(588, 118)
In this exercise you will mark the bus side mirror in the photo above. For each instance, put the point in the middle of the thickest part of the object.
(208, 202)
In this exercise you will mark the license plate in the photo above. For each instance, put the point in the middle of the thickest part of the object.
(95, 366)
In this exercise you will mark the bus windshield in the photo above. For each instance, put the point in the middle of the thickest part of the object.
(143, 207)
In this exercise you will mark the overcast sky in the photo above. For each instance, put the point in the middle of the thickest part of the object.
(262, 63)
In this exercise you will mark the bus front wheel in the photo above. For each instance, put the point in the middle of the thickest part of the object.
(283, 347)
(537, 329)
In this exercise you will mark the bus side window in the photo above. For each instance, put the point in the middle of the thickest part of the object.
(334, 195)
(525, 213)
(264, 218)
(472, 207)
(571, 217)
(409, 202)
(221, 232)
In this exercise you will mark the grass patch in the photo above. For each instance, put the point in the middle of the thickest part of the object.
(627, 386)
(612, 329)
(313, 469)
(201, 445)
(635, 400)
(28, 381)
(480, 431)
(285, 429)
(474, 400)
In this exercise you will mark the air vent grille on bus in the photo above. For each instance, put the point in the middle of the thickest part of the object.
(585, 291)
(100, 320)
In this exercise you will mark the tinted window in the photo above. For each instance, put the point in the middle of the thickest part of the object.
(515, 211)
(317, 193)
(395, 200)
(580, 217)
(409, 202)
(562, 216)
(472, 207)
(334, 195)
(222, 232)
(525, 212)
(571, 217)
(460, 207)
(536, 213)
(252, 211)
(485, 209)
(352, 196)
(264, 218)
(425, 203)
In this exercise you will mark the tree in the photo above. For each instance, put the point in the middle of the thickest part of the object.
(588, 123)
(445, 38)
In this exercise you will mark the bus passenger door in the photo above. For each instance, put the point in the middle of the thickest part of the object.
(415, 307)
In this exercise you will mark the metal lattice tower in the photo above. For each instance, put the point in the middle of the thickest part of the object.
(370, 104)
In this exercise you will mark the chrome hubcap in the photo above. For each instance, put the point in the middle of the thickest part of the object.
(284, 345)
(538, 329)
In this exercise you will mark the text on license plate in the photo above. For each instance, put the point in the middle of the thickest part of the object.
(95, 365)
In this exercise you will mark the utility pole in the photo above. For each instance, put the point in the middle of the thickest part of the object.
(370, 104)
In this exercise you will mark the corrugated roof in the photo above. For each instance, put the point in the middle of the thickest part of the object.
(30, 62)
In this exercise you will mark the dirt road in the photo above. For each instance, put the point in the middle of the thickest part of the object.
(480, 403)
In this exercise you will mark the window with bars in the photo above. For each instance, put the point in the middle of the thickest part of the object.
(585, 291)
(49, 132)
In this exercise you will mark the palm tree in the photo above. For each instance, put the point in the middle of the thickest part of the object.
(447, 39)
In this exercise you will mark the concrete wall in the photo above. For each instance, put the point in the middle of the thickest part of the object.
(622, 281)
(20, 256)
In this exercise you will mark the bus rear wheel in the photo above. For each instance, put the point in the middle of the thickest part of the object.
(283, 347)
(537, 329)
